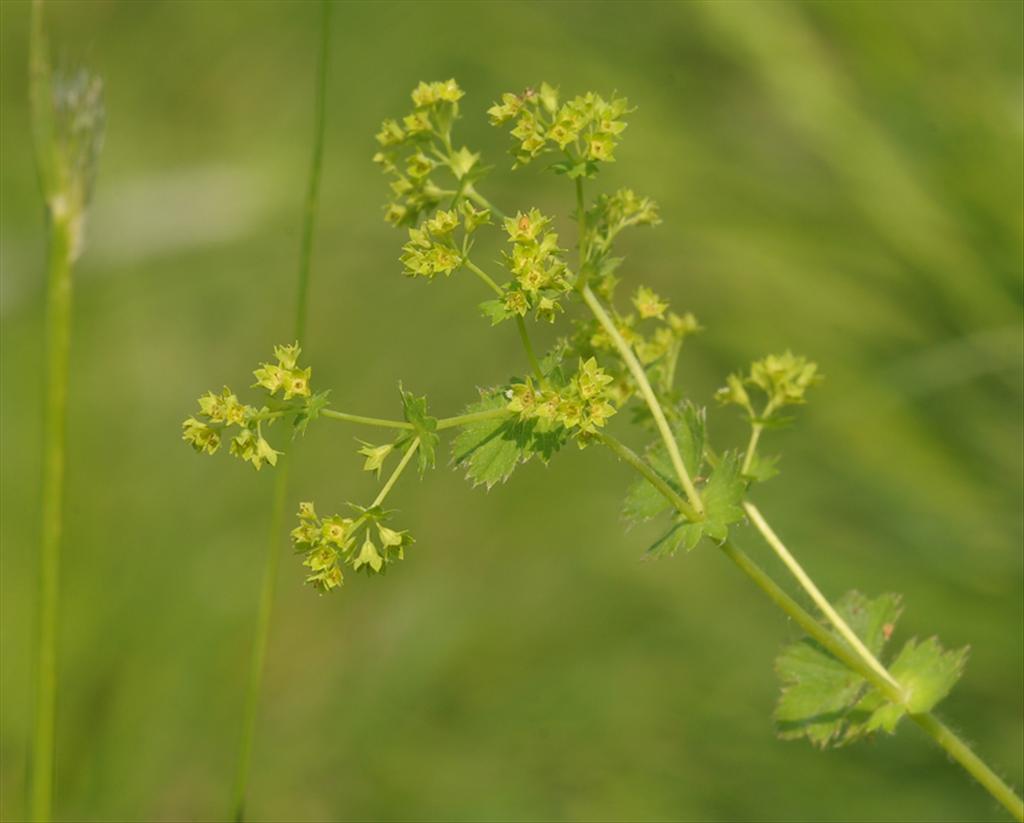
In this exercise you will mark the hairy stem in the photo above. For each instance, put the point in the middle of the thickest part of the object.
(975, 766)
(648, 394)
(854, 660)
(270, 570)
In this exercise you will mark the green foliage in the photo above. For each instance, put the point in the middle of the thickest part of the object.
(829, 704)
(622, 357)
(783, 380)
(721, 493)
(722, 496)
(489, 450)
(424, 426)
(585, 128)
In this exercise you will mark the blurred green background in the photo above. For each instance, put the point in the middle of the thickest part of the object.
(841, 178)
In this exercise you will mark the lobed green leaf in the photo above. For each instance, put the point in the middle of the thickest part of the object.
(424, 427)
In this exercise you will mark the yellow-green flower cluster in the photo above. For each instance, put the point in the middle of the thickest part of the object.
(330, 542)
(411, 151)
(541, 276)
(782, 378)
(285, 375)
(587, 126)
(610, 215)
(432, 248)
(219, 413)
(670, 331)
(582, 405)
(657, 348)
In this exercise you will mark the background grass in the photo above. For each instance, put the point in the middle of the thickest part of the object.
(841, 178)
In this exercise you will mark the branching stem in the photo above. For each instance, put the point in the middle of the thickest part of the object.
(808, 585)
(876, 674)
(484, 276)
(640, 376)
(397, 472)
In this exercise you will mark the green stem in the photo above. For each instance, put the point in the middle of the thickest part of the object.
(484, 276)
(58, 344)
(581, 220)
(524, 335)
(978, 769)
(655, 479)
(748, 458)
(409, 452)
(473, 417)
(259, 649)
(443, 423)
(272, 563)
(856, 662)
(819, 599)
(640, 376)
(755, 435)
(482, 201)
(316, 166)
(366, 421)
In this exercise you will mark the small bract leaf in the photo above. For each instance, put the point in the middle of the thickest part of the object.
(424, 426)
(722, 496)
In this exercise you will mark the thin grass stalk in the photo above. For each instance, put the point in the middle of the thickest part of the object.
(268, 587)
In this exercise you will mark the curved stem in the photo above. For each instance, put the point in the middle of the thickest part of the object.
(819, 599)
(640, 376)
(480, 200)
(270, 569)
(484, 276)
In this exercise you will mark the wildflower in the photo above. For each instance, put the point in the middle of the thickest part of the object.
(375, 456)
(200, 436)
(649, 304)
(368, 555)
